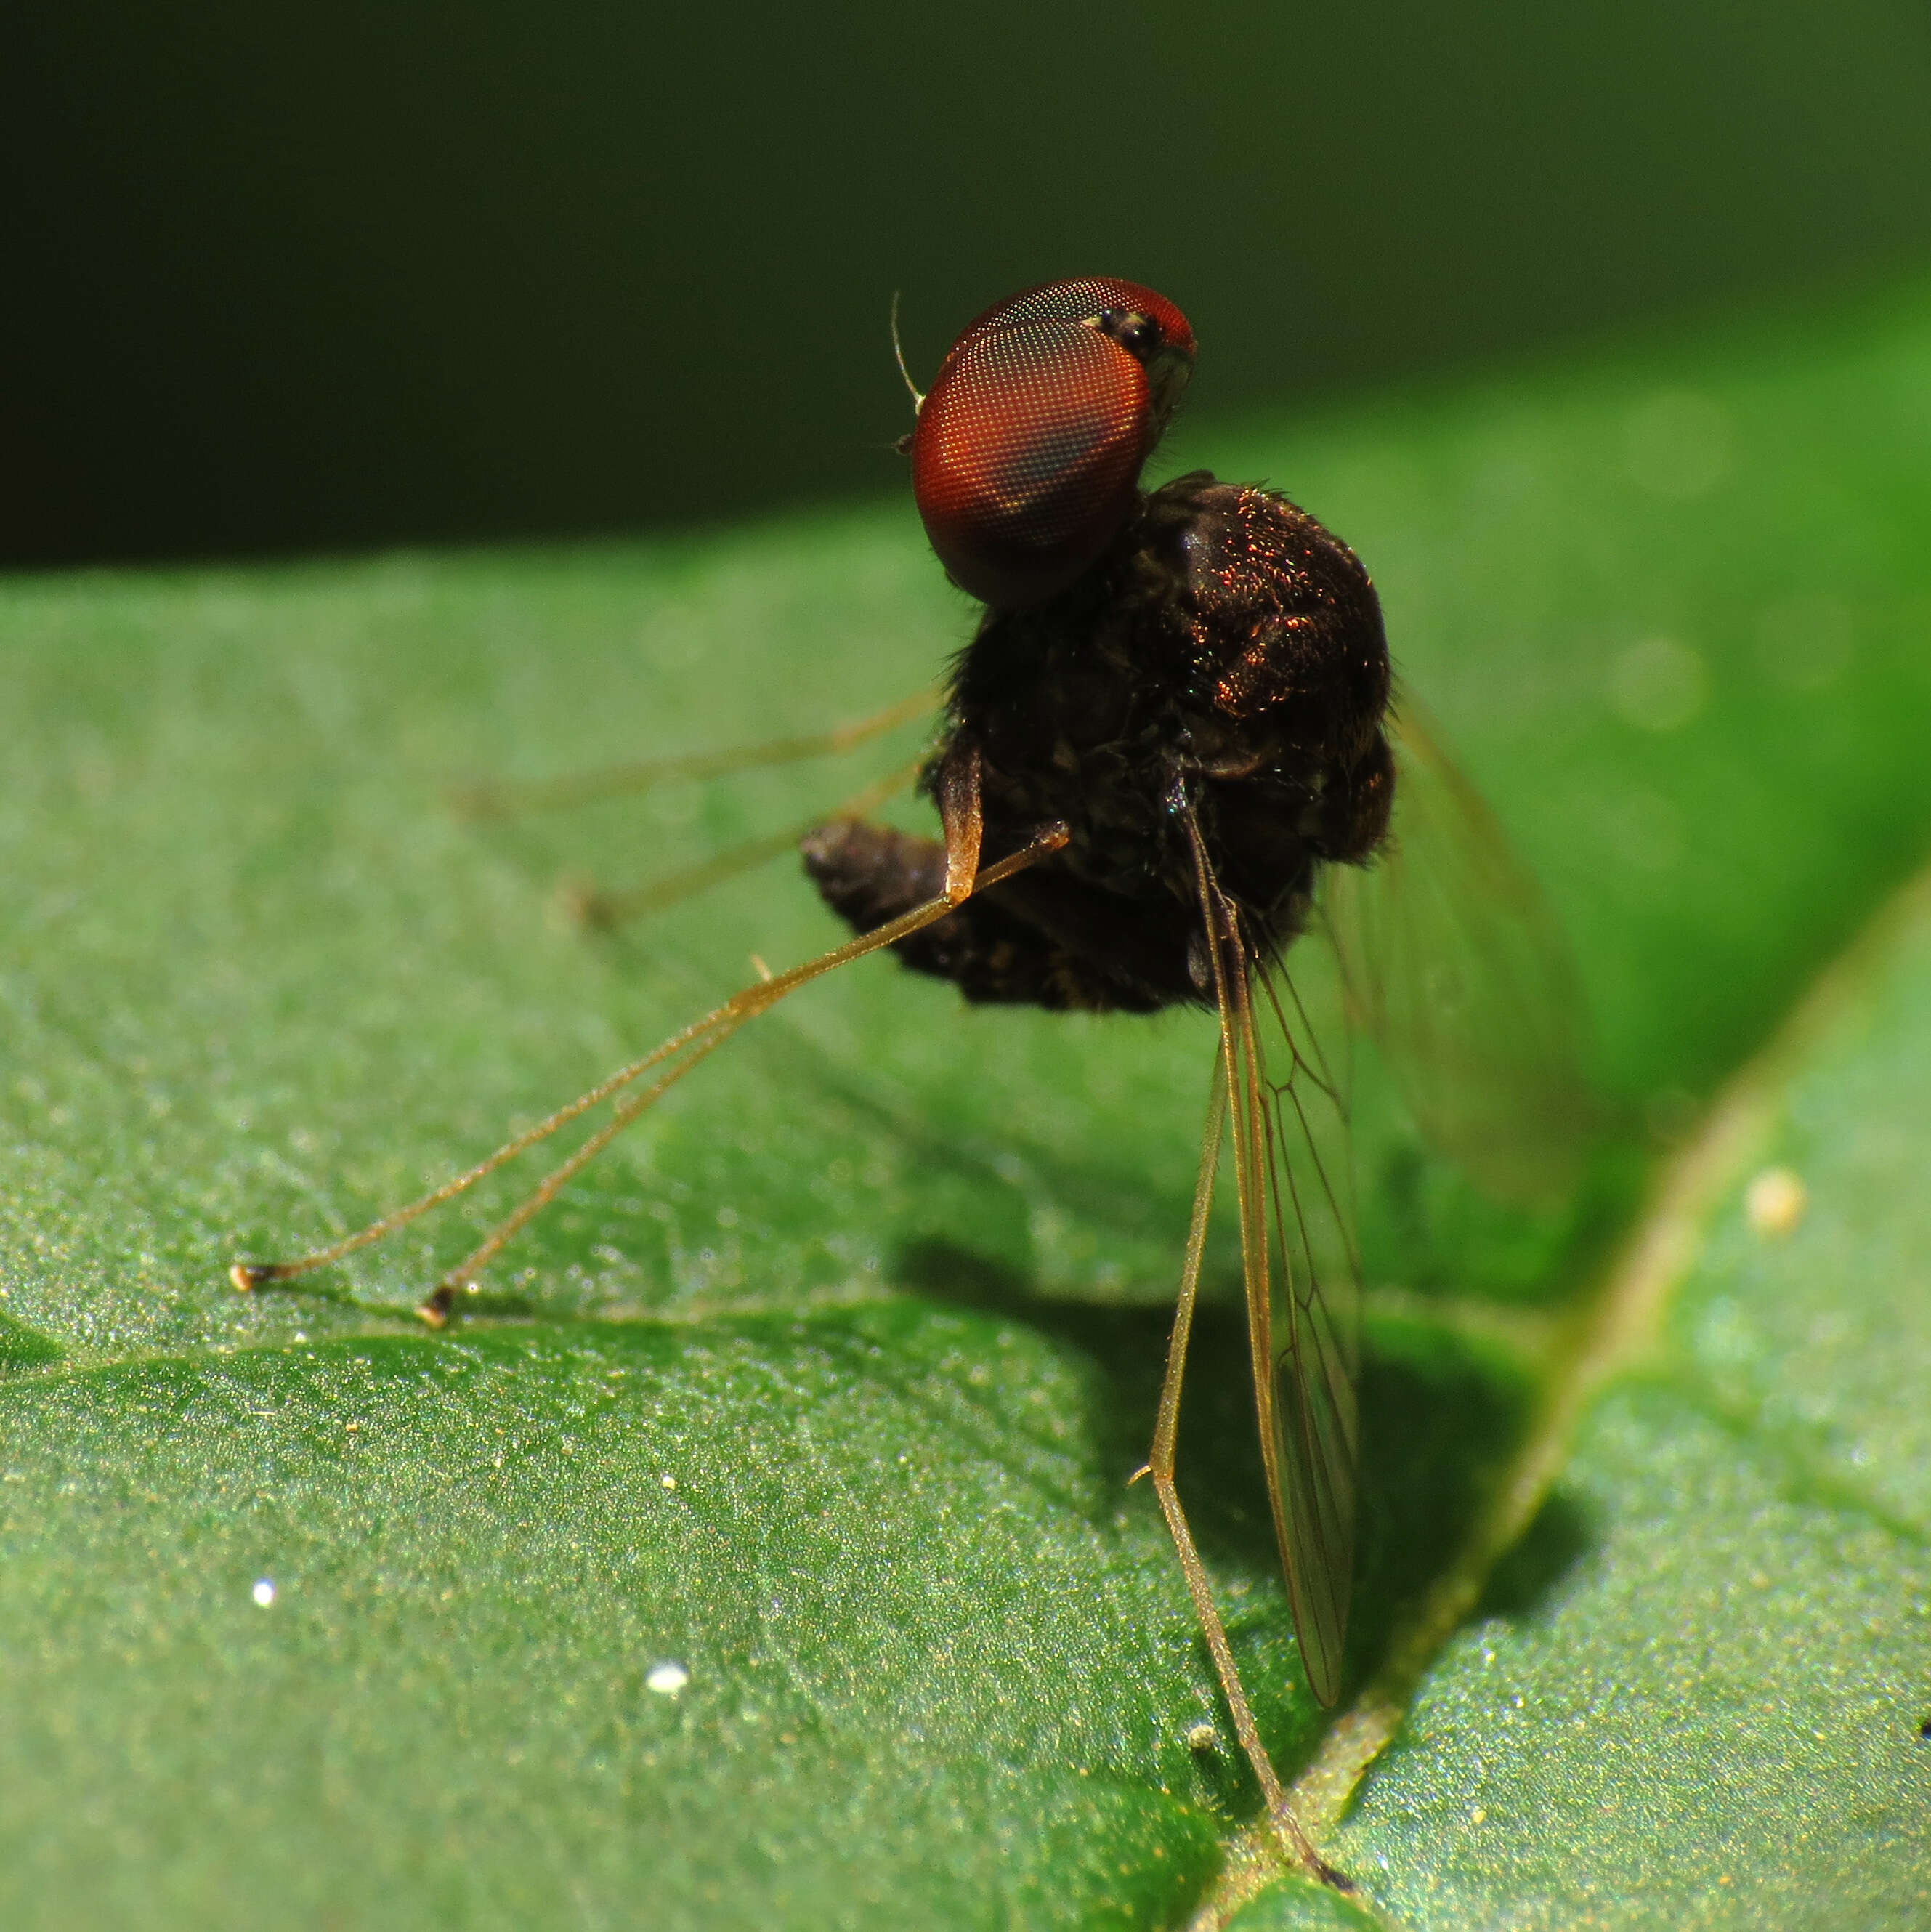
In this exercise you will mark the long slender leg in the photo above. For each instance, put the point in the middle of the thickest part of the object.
(959, 809)
(485, 799)
(1161, 1463)
(1243, 1084)
(605, 910)
(676, 1056)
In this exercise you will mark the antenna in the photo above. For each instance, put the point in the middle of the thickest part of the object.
(898, 350)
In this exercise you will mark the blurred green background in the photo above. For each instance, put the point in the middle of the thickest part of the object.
(284, 279)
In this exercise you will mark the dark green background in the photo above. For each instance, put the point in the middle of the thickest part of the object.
(281, 278)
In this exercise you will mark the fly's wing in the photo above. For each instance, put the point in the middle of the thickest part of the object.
(1288, 1110)
(1301, 1158)
(1456, 968)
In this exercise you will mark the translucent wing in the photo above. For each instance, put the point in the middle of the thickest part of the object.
(1456, 968)
(1287, 1112)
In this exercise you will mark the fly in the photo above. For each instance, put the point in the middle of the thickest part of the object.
(1168, 753)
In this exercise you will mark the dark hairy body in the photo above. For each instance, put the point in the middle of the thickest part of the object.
(1224, 664)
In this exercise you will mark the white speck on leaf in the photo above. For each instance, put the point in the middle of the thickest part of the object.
(667, 1678)
(1774, 1203)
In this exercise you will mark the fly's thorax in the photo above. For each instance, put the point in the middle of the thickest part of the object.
(1226, 635)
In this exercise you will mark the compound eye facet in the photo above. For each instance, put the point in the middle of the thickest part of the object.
(1026, 455)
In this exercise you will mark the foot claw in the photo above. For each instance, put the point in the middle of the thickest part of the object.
(435, 1311)
(1299, 1847)
(1329, 1876)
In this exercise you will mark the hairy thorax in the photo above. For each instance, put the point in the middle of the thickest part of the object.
(1226, 654)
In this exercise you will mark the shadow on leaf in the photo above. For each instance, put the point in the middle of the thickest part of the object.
(1440, 1420)
(1558, 1539)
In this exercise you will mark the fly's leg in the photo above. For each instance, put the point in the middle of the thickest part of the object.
(961, 811)
(485, 799)
(671, 1061)
(1160, 1467)
(607, 909)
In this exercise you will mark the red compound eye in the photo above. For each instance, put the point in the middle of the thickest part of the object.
(1026, 455)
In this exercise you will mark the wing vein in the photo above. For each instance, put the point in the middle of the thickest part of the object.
(1296, 1284)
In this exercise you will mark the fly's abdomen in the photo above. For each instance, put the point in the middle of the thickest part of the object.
(1044, 938)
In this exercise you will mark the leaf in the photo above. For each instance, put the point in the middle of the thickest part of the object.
(882, 1290)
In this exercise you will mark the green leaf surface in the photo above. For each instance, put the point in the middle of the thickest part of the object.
(824, 1386)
